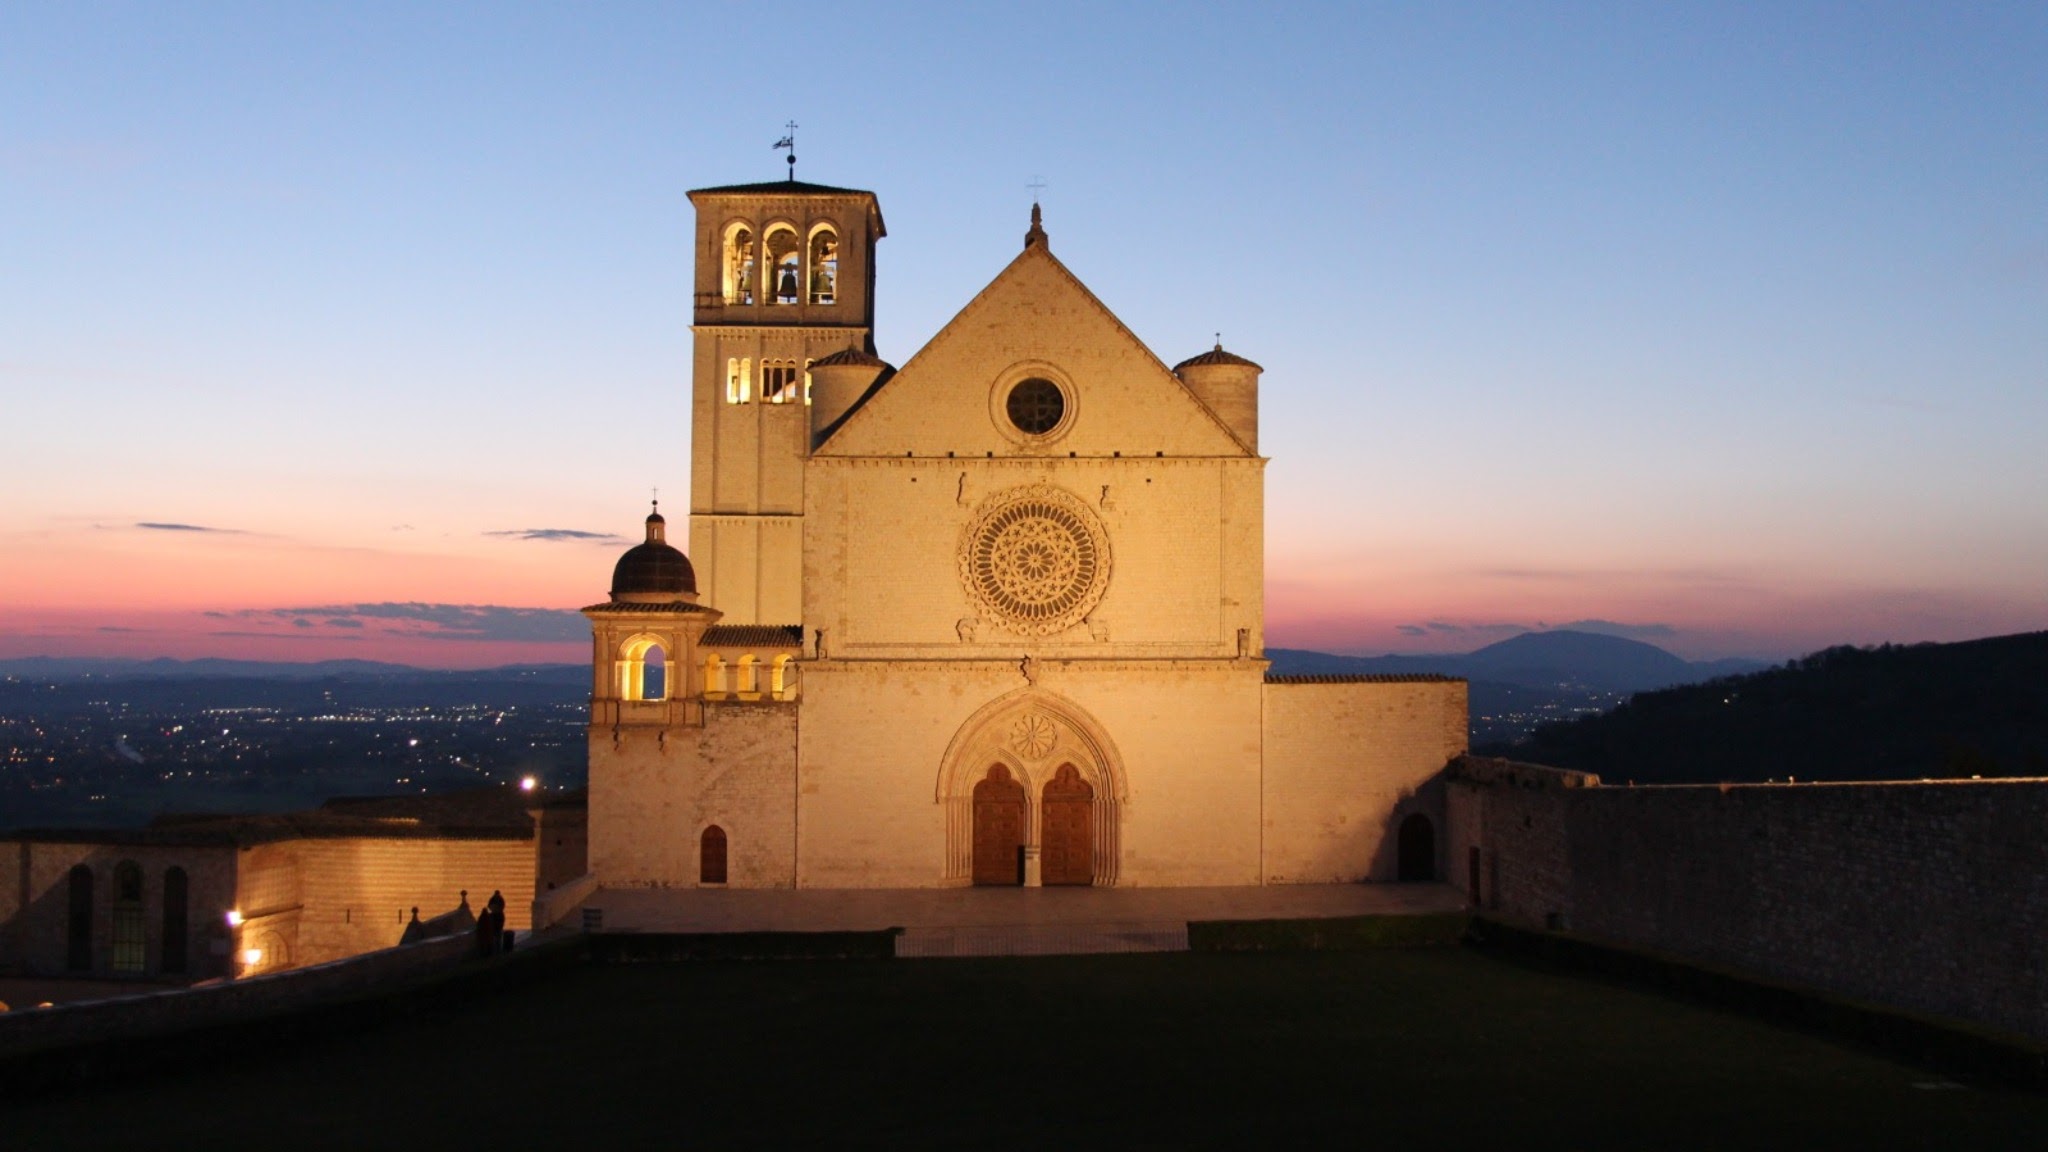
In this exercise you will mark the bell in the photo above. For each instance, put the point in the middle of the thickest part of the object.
(786, 286)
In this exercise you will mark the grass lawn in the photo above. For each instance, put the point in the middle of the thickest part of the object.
(1421, 1048)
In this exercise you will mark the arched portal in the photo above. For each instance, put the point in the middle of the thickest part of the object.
(998, 829)
(1417, 849)
(1033, 734)
(1066, 853)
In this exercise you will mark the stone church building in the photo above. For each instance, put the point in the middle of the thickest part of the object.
(993, 617)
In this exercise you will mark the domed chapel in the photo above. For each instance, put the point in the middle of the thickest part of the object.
(991, 618)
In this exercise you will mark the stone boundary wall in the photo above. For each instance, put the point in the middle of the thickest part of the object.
(228, 1002)
(1926, 896)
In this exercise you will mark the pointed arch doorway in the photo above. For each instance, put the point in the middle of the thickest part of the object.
(1067, 830)
(998, 829)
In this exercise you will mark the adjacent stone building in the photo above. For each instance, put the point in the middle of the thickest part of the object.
(995, 617)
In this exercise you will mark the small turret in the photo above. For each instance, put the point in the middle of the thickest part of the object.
(1229, 385)
(837, 383)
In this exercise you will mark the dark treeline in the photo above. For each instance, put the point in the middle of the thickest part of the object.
(1978, 708)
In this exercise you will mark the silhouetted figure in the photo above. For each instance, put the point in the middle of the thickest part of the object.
(490, 927)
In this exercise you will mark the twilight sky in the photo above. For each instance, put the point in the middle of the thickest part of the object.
(361, 330)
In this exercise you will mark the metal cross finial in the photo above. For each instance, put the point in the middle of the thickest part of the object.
(657, 498)
(1036, 186)
(789, 142)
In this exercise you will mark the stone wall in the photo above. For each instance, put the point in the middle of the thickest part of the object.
(1929, 896)
(1346, 761)
(358, 893)
(35, 904)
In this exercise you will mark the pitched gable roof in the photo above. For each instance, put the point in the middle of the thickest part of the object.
(1035, 312)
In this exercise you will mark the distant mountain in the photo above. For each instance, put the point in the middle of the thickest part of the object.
(1585, 661)
(1977, 708)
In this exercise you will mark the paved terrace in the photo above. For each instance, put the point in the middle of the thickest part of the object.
(1007, 921)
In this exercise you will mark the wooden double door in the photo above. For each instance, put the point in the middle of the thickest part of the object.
(1066, 827)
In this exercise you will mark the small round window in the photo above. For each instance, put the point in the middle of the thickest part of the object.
(1036, 406)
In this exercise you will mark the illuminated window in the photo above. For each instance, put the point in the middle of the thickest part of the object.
(643, 668)
(782, 678)
(714, 677)
(128, 925)
(739, 265)
(739, 380)
(750, 682)
(824, 266)
(783, 258)
(779, 384)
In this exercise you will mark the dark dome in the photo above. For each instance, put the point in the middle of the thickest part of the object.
(654, 568)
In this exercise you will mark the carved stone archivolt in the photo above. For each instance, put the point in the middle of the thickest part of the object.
(1036, 559)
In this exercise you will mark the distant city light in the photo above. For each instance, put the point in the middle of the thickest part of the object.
(528, 783)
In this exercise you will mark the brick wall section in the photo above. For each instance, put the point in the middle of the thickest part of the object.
(1345, 763)
(358, 892)
(1932, 896)
(653, 793)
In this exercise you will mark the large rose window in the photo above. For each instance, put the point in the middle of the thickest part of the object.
(1036, 560)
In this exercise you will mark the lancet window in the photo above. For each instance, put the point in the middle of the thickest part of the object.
(739, 380)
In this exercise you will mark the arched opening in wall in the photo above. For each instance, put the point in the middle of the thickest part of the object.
(998, 829)
(1066, 825)
(784, 257)
(714, 677)
(739, 380)
(739, 264)
(749, 687)
(643, 670)
(779, 383)
(824, 265)
(177, 920)
(1417, 849)
(128, 923)
(782, 678)
(711, 856)
(78, 923)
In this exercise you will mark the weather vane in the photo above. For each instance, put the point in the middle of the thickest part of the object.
(789, 142)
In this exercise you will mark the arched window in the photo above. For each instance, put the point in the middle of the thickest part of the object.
(714, 677)
(779, 381)
(643, 668)
(739, 264)
(782, 678)
(739, 380)
(807, 380)
(78, 926)
(749, 687)
(783, 260)
(177, 920)
(711, 856)
(128, 924)
(824, 265)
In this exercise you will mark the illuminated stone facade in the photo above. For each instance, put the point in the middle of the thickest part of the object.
(994, 617)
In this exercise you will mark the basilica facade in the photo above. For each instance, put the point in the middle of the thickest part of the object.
(995, 617)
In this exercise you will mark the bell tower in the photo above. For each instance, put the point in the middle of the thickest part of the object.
(785, 276)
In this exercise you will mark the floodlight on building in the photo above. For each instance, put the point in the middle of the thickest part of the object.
(252, 956)
(234, 917)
